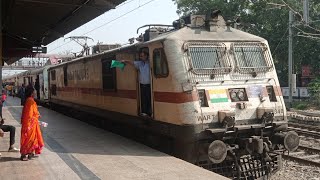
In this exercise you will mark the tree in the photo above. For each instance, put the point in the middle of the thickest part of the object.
(314, 90)
(263, 18)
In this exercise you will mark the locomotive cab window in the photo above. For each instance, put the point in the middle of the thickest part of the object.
(108, 74)
(252, 57)
(208, 58)
(160, 64)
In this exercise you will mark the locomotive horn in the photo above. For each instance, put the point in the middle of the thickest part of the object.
(289, 140)
(215, 13)
(217, 151)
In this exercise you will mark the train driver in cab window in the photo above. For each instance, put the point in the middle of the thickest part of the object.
(143, 66)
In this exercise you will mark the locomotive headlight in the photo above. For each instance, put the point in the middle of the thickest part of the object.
(240, 95)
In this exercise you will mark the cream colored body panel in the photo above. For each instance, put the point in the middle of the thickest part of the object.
(116, 104)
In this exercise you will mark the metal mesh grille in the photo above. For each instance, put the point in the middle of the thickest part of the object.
(208, 58)
(249, 167)
(252, 57)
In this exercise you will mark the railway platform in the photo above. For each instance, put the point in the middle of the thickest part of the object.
(76, 150)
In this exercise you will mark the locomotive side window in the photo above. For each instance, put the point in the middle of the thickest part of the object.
(208, 58)
(160, 64)
(53, 75)
(252, 57)
(65, 75)
(108, 74)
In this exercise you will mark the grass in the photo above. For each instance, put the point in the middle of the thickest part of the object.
(304, 105)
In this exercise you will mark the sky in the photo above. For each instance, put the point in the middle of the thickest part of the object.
(115, 26)
(119, 24)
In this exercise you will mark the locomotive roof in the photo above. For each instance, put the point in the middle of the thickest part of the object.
(186, 34)
(201, 34)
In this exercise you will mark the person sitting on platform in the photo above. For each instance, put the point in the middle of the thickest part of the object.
(12, 130)
(22, 94)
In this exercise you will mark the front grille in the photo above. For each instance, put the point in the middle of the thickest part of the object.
(249, 167)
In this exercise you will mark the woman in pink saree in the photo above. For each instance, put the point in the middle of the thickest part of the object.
(31, 138)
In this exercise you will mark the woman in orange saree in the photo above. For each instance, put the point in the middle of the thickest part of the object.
(31, 138)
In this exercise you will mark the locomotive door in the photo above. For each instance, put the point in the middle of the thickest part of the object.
(144, 83)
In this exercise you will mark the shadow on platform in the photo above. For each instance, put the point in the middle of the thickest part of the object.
(67, 135)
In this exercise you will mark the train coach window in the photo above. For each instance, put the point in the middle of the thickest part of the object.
(108, 74)
(160, 64)
(53, 75)
(65, 75)
(53, 90)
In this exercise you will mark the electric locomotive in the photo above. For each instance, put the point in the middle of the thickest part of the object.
(216, 98)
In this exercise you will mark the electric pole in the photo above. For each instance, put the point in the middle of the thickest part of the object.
(291, 76)
(290, 58)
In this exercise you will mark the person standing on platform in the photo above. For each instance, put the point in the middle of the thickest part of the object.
(31, 142)
(1, 105)
(143, 66)
(3, 99)
(22, 94)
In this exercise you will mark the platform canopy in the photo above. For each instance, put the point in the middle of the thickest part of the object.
(35, 23)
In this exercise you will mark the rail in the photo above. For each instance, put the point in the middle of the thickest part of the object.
(305, 155)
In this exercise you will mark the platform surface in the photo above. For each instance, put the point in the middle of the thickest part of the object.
(76, 150)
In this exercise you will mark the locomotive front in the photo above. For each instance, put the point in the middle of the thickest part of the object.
(240, 107)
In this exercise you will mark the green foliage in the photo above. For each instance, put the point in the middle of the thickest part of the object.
(300, 105)
(263, 19)
(314, 90)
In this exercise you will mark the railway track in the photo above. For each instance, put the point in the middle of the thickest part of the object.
(305, 130)
(305, 155)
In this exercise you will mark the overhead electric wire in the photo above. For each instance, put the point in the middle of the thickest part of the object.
(119, 17)
(108, 22)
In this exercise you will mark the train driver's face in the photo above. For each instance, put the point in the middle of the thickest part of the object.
(143, 57)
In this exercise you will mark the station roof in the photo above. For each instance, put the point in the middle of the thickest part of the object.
(32, 23)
